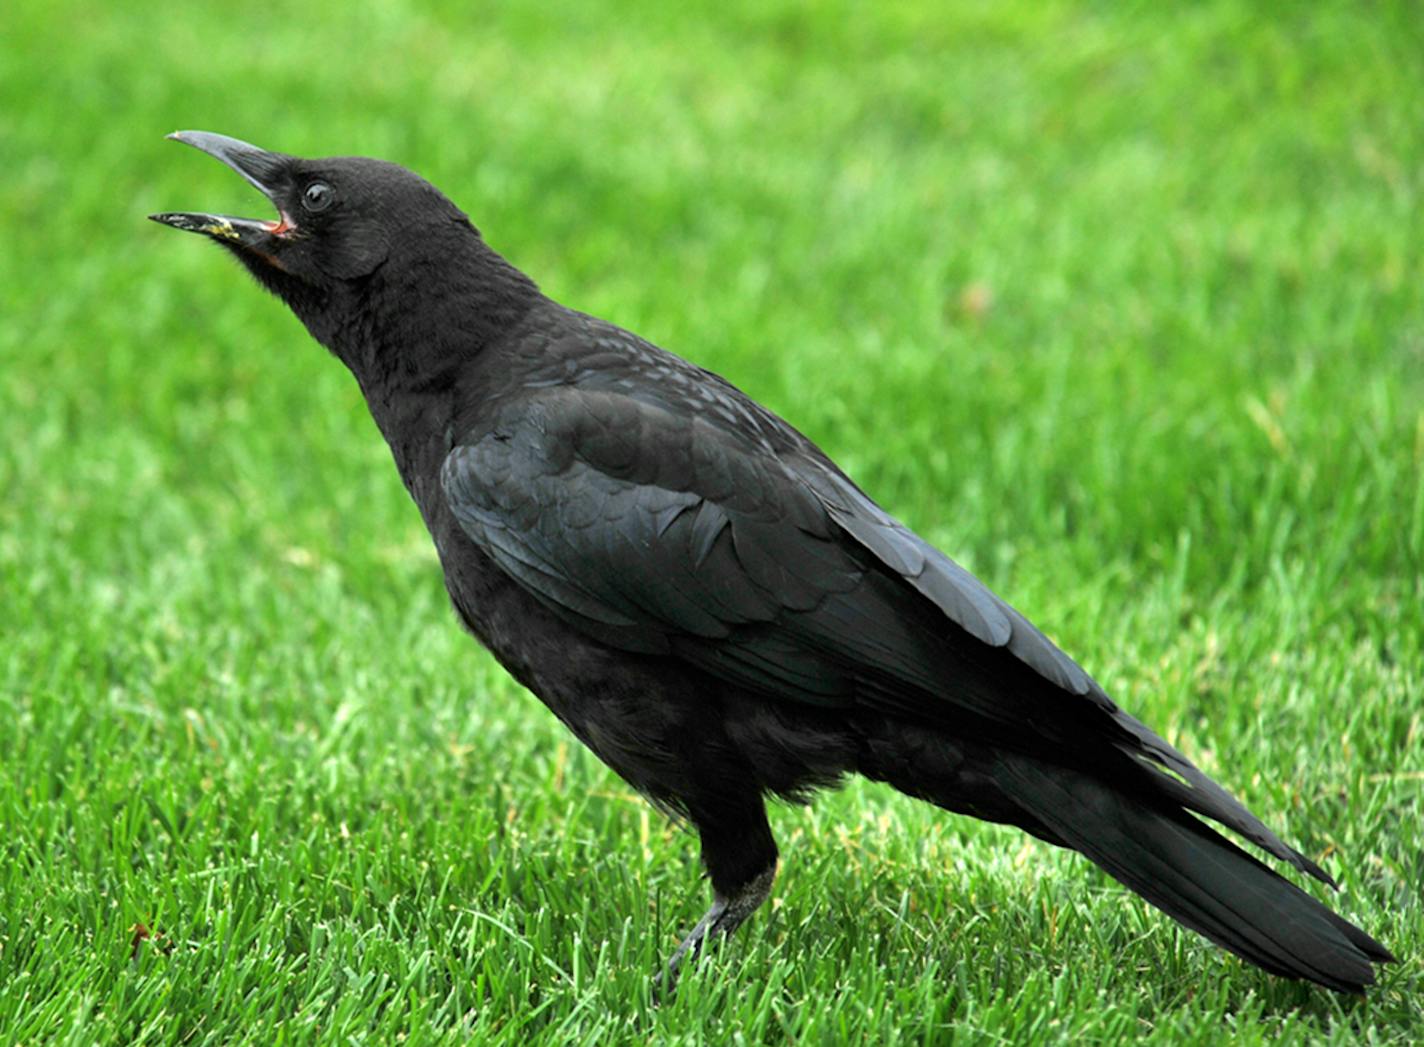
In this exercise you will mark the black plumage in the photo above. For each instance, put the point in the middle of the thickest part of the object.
(706, 600)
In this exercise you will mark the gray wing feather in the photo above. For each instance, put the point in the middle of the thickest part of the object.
(645, 520)
(963, 598)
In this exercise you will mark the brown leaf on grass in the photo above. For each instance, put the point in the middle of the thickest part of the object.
(156, 937)
(969, 304)
(975, 300)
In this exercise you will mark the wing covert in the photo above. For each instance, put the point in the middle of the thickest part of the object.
(659, 531)
(639, 524)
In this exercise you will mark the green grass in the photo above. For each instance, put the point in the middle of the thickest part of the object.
(1123, 308)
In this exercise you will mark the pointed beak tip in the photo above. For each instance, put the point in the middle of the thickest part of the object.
(187, 221)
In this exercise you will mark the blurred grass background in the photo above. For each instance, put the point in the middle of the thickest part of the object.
(1120, 305)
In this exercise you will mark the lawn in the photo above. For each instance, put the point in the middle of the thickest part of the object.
(1121, 307)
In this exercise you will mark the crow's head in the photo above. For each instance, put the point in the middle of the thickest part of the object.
(355, 243)
(339, 220)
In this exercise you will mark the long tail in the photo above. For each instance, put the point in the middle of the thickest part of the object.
(1194, 875)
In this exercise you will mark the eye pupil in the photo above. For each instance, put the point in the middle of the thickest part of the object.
(318, 196)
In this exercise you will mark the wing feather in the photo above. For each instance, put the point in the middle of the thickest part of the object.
(664, 527)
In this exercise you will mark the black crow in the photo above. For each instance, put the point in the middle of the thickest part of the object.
(706, 600)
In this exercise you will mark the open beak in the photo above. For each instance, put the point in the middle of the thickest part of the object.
(261, 169)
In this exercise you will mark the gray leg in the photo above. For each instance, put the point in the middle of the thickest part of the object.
(728, 912)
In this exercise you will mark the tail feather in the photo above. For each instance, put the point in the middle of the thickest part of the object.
(1199, 793)
(1195, 875)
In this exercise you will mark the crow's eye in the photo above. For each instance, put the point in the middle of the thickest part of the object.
(318, 196)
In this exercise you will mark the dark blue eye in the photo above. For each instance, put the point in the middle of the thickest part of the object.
(318, 196)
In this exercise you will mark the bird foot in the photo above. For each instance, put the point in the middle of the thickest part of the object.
(727, 913)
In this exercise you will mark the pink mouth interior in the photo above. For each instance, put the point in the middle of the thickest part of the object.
(279, 228)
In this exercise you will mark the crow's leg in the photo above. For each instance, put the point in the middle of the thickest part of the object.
(740, 855)
(725, 916)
